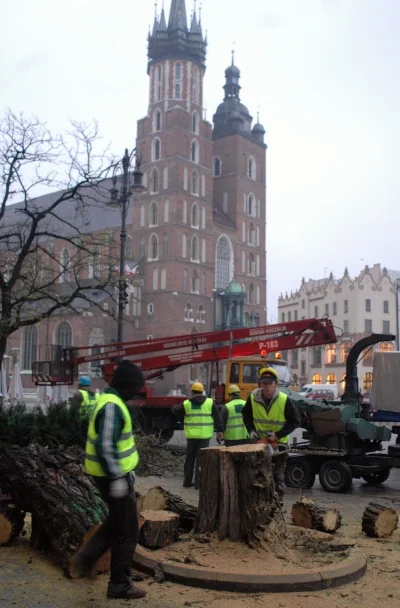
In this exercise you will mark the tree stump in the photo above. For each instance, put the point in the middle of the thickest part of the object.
(306, 514)
(158, 529)
(237, 495)
(379, 521)
(11, 522)
(159, 499)
(52, 485)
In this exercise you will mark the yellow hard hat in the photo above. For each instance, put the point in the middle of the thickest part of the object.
(233, 389)
(197, 387)
(268, 372)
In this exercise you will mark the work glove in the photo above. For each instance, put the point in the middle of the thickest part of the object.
(254, 436)
(271, 436)
(119, 488)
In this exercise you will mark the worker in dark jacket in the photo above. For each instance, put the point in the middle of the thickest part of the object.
(268, 413)
(200, 415)
(235, 432)
(111, 456)
(84, 399)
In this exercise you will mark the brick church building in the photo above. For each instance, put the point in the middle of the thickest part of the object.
(196, 238)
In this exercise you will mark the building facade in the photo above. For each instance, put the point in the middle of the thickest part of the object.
(200, 226)
(357, 307)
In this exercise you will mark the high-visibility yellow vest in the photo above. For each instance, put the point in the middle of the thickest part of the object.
(235, 429)
(88, 404)
(199, 423)
(127, 453)
(271, 421)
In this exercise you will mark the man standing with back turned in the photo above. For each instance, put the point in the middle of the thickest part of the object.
(200, 415)
(111, 456)
(268, 412)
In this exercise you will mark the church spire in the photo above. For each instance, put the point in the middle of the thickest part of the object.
(177, 16)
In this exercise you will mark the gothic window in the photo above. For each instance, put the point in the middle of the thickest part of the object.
(317, 379)
(184, 245)
(224, 263)
(165, 246)
(203, 218)
(203, 283)
(184, 212)
(157, 121)
(128, 248)
(29, 346)
(195, 283)
(188, 313)
(252, 168)
(163, 278)
(258, 295)
(203, 251)
(154, 247)
(258, 236)
(195, 152)
(258, 266)
(195, 123)
(252, 266)
(177, 91)
(331, 379)
(155, 279)
(195, 249)
(165, 178)
(178, 71)
(195, 216)
(185, 280)
(201, 315)
(159, 83)
(156, 149)
(251, 293)
(64, 335)
(243, 262)
(195, 183)
(185, 179)
(252, 235)
(217, 166)
(142, 215)
(65, 261)
(153, 214)
(94, 263)
(251, 206)
(154, 181)
(166, 212)
(142, 247)
(244, 230)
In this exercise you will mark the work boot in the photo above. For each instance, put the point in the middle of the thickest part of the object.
(78, 566)
(129, 593)
(189, 484)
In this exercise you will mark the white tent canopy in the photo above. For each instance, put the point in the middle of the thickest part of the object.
(3, 383)
(15, 390)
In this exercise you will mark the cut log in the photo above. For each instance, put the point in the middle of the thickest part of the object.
(158, 529)
(237, 495)
(379, 521)
(11, 522)
(52, 485)
(159, 499)
(306, 514)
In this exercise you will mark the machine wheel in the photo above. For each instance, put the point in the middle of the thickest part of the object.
(375, 479)
(299, 473)
(335, 476)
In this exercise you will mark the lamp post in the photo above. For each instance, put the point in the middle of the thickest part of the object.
(121, 200)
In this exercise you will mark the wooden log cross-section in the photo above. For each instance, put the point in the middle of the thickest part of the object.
(158, 529)
(237, 495)
(11, 522)
(307, 514)
(379, 521)
(158, 499)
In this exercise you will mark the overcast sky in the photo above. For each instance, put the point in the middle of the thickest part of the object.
(324, 73)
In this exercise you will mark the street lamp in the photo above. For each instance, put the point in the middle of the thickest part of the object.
(121, 200)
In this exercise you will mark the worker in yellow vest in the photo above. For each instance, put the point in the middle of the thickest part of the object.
(235, 431)
(200, 416)
(268, 413)
(111, 457)
(84, 400)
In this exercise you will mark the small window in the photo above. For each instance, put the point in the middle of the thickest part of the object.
(283, 317)
(250, 206)
(217, 167)
(386, 306)
(386, 327)
(195, 152)
(289, 317)
(178, 71)
(335, 308)
(316, 312)
(158, 121)
(296, 315)
(177, 91)
(195, 216)
(303, 303)
(195, 123)
(154, 181)
(195, 183)
(327, 309)
(367, 305)
(234, 375)
(154, 214)
(368, 326)
(250, 374)
(150, 309)
(346, 327)
(346, 306)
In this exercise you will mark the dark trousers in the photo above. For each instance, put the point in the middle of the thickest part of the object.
(230, 443)
(278, 468)
(120, 532)
(192, 462)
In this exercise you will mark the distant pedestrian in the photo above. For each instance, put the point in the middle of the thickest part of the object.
(84, 400)
(200, 415)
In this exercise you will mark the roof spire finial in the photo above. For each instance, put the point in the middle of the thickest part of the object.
(200, 11)
(155, 9)
(233, 53)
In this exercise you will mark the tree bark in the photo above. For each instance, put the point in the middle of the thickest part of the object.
(53, 486)
(239, 494)
(306, 514)
(379, 521)
(11, 522)
(159, 499)
(158, 529)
